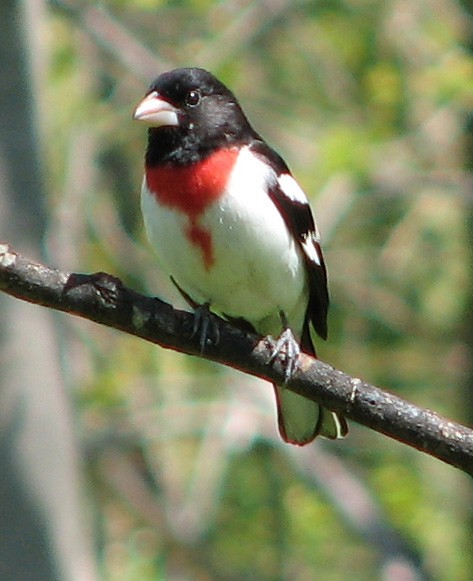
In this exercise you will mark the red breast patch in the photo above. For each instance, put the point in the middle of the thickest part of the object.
(191, 189)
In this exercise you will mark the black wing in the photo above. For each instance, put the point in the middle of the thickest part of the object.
(296, 211)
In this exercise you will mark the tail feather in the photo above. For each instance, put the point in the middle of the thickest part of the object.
(298, 417)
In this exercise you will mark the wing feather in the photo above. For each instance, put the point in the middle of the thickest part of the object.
(291, 201)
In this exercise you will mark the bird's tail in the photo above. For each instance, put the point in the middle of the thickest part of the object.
(300, 419)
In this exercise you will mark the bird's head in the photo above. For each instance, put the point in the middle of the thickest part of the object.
(193, 108)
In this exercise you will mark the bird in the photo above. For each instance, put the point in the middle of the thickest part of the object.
(234, 230)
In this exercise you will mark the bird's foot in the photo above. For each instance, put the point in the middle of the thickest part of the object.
(205, 326)
(288, 348)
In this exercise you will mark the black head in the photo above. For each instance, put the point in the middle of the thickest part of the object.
(190, 114)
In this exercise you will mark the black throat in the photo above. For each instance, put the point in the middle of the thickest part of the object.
(171, 145)
(186, 145)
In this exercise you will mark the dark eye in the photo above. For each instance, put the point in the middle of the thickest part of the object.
(193, 98)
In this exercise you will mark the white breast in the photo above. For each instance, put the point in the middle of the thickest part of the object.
(258, 269)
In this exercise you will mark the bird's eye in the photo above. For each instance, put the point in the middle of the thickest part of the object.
(193, 98)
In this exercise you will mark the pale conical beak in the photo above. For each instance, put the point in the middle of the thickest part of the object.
(156, 112)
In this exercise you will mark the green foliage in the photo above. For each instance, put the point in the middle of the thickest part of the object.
(366, 101)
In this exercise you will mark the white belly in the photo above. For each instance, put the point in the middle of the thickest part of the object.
(257, 268)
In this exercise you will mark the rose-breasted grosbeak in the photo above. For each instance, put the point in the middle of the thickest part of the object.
(233, 228)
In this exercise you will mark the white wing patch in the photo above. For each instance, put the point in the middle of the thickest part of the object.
(292, 189)
(310, 245)
(310, 240)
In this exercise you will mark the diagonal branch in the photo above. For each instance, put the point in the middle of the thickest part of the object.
(113, 38)
(104, 299)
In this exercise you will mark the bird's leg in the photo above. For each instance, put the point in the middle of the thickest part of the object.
(205, 326)
(204, 320)
(186, 296)
(287, 346)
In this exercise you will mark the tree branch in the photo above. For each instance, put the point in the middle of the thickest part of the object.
(104, 299)
(113, 38)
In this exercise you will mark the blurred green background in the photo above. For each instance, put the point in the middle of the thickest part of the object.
(369, 102)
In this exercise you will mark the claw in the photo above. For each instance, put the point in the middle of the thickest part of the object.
(205, 327)
(287, 346)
